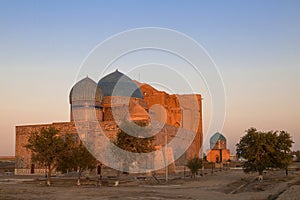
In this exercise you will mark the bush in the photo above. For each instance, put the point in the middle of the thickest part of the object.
(194, 164)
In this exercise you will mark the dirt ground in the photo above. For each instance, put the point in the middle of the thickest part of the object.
(230, 184)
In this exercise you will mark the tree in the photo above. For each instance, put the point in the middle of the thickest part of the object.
(76, 157)
(46, 147)
(66, 160)
(194, 164)
(133, 142)
(82, 160)
(263, 150)
(284, 145)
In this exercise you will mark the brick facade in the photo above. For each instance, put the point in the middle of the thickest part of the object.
(175, 111)
(218, 155)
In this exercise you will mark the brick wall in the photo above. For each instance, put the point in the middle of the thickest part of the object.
(23, 156)
(213, 154)
(183, 111)
(177, 112)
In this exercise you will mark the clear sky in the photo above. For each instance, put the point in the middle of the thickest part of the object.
(255, 44)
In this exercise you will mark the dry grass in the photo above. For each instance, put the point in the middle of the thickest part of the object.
(221, 185)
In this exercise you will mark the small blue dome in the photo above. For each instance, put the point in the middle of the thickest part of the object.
(118, 84)
(215, 138)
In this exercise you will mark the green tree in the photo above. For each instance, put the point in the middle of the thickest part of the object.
(263, 150)
(83, 160)
(134, 142)
(46, 147)
(283, 147)
(76, 157)
(194, 164)
(66, 160)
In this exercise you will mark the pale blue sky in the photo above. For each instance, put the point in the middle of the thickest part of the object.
(255, 44)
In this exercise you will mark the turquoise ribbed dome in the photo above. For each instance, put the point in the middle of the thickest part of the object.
(214, 139)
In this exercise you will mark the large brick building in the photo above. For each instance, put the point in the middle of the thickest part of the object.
(104, 104)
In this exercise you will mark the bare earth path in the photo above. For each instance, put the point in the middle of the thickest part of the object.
(232, 184)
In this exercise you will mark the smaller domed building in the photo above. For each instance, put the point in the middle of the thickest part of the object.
(218, 151)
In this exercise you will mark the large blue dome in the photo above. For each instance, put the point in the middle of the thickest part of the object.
(118, 84)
